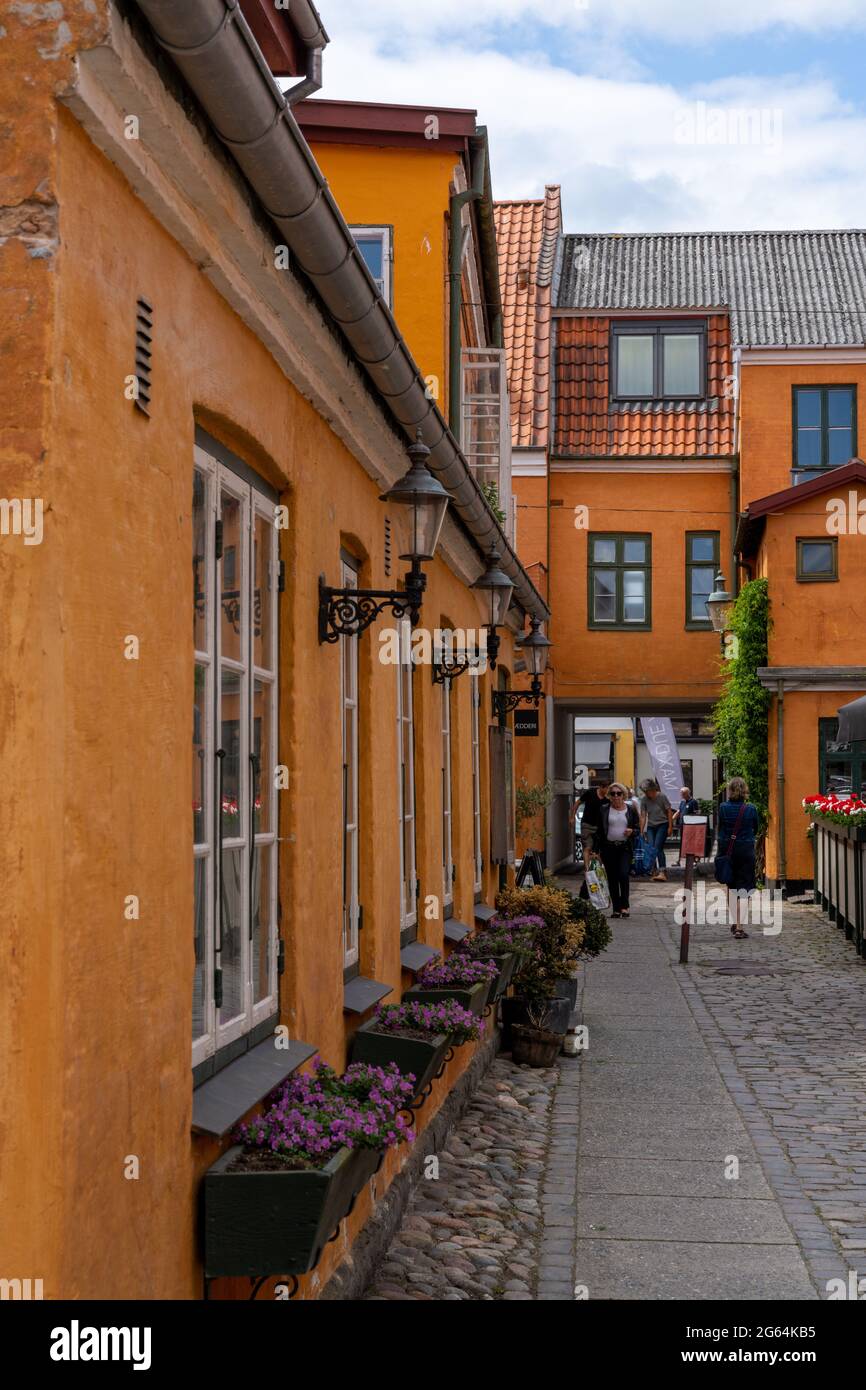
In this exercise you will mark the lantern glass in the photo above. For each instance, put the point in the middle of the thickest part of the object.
(719, 605)
(420, 502)
(534, 649)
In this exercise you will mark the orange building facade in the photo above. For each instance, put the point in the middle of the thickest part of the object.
(686, 410)
(188, 399)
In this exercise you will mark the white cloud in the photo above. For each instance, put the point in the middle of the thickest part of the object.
(636, 154)
(683, 21)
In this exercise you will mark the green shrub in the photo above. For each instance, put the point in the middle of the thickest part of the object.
(597, 934)
(556, 944)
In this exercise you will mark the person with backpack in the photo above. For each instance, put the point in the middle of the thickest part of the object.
(688, 807)
(735, 861)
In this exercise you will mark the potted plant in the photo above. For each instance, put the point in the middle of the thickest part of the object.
(548, 971)
(534, 1043)
(463, 977)
(416, 1036)
(274, 1199)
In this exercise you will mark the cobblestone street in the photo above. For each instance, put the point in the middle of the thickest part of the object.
(709, 1144)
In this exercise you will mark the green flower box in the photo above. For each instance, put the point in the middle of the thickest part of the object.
(472, 997)
(507, 965)
(260, 1223)
(414, 1056)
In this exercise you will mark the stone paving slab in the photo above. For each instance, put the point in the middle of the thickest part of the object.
(716, 1219)
(671, 1177)
(660, 1270)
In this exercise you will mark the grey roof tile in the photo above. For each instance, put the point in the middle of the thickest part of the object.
(783, 289)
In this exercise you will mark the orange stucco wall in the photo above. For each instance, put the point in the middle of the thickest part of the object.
(408, 190)
(767, 419)
(668, 663)
(813, 625)
(95, 1021)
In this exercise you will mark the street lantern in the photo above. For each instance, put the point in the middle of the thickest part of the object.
(534, 649)
(426, 503)
(719, 605)
(349, 612)
(495, 583)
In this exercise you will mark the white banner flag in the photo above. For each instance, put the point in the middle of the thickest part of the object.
(662, 747)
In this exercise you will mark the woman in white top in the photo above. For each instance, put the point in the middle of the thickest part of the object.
(619, 824)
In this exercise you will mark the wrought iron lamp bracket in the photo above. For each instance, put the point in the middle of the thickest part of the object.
(507, 701)
(349, 612)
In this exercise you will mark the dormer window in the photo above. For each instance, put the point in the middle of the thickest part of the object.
(664, 361)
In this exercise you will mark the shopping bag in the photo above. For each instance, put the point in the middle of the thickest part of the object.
(643, 855)
(597, 886)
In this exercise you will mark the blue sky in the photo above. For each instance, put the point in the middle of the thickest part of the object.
(652, 114)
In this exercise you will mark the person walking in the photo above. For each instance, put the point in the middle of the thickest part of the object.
(688, 807)
(619, 823)
(656, 822)
(591, 801)
(738, 829)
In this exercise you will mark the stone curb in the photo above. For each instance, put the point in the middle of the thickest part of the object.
(351, 1278)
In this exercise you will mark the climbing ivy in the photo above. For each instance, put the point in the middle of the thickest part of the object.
(741, 716)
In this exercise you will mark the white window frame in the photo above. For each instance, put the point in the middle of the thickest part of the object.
(219, 1031)
(351, 842)
(385, 236)
(447, 800)
(498, 468)
(475, 697)
(406, 824)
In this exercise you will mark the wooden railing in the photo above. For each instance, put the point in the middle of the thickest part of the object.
(840, 878)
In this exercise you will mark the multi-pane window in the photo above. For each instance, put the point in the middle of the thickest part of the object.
(406, 789)
(234, 756)
(475, 696)
(842, 765)
(702, 566)
(825, 428)
(658, 361)
(817, 560)
(620, 568)
(447, 827)
(351, 846)
(375, 246)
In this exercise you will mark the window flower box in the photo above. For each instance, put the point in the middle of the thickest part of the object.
(265, 1223)
(416, 1057)
(462, 977)
(416, 1035)
(273, 1201)
(472, 997)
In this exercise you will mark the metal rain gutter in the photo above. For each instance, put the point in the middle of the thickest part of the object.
(215, 51)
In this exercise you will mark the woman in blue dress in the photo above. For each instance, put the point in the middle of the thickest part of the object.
(738, 817)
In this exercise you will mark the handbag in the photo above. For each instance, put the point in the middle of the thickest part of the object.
(724, 862)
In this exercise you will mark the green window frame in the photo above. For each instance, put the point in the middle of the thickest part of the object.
(817, 426)
(841, 768)
(811, 576)
(696, 563)
(619, 575)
